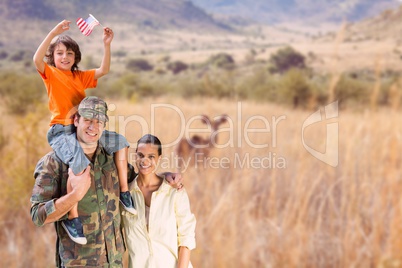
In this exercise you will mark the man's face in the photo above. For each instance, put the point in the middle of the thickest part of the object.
(89, 131)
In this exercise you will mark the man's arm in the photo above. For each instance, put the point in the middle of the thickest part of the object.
(174, 179)
(77, 186)
(47, 205)
(42, 49)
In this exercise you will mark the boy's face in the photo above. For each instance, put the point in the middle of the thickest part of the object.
(63, 59)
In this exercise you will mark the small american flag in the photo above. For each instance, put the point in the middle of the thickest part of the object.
(86, 26)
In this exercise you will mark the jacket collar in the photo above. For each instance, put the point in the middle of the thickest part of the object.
(163, 188)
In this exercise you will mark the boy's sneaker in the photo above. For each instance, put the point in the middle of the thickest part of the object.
(74, 230)
(127, 202)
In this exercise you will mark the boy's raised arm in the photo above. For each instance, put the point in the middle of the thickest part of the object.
(41, 51)
(105, 65)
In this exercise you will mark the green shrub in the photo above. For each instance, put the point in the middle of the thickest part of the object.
(350, 90)
(219, 83)
(18, 56)
(131, 85)
(222, 60)
(257, 85)
(177, 66)
(285, 59)
(4, 140)
(120, 54)
(319, 90)
(19, 159)
(89, 62)
(146, 90)
(120, 88)
(21, 93)
(295, 88)
(137, 65)
(3, 55)
(186, 86)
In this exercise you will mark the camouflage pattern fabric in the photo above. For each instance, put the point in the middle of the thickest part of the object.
(99, 212)
(93, 107)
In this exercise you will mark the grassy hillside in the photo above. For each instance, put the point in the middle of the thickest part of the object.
(384, 26)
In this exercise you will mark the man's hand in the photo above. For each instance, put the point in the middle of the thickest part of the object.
(78, 185)
(174, 179)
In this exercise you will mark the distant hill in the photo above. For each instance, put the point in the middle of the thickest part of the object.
(387, 25)
(304, 11)
(138, 25)
(157, 14)
(205, 15)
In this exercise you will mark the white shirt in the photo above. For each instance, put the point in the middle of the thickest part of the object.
(171, 224)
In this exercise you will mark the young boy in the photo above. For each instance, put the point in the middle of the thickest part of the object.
(66, 86)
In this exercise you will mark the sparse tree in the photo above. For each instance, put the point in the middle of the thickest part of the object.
(177, 67)
(222, 60)
(137, 65)
(286, 59)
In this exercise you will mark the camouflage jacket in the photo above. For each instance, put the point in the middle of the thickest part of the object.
(99, 212)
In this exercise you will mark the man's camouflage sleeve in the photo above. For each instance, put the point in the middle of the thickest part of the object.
(48, 187)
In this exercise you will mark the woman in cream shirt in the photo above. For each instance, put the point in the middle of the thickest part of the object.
(163, 232)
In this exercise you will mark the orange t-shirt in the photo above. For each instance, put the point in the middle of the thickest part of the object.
(65, 92)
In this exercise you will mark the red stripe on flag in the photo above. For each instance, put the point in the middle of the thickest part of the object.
(85, 27)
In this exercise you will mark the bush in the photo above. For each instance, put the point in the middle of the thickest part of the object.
(222, 60)
(295, 88)
(286, 59)
(120, 54)
(21, 93)
(3, 55)
(218, 84)
(18, 56)
(131, 85)
(4, 140)
(177, 67)
(137, 65)
(187, 86)
(352, 90)
(146, 90)
(121, 88)
(258, 85)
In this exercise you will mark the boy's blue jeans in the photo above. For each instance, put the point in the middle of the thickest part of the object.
(64, 142)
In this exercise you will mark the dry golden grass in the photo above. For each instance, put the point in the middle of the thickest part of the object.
(296, 212)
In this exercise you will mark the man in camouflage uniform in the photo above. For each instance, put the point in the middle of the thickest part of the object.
(96, 191)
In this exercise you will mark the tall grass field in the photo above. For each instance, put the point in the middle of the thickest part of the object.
(263, 198)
